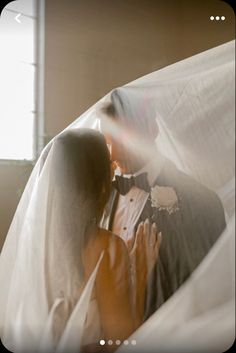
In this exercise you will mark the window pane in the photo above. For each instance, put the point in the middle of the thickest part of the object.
(17, 39)
(13, 143)
(17, 86)
(16, 89)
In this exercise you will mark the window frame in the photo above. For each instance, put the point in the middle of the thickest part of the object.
(39, 54)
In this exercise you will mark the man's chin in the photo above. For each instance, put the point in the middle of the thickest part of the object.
(123, 169)
(120, 166)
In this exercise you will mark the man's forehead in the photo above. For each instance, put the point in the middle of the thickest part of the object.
(116, 126)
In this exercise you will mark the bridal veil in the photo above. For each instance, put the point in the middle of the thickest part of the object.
(193, 102)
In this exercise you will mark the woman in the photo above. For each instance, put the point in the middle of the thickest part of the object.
(74, 185)
(117, 303)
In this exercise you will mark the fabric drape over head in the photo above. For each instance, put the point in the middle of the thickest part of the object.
(193, 104)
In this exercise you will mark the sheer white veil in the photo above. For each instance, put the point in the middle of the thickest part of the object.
(193, 103)
(46, 278)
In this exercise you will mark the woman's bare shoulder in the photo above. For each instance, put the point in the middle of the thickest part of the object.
(105, 239)
(102, 240)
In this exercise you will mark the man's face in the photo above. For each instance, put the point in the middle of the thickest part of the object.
(119, 154)
(122, 144)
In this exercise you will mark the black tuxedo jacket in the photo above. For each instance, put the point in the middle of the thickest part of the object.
(187, 234)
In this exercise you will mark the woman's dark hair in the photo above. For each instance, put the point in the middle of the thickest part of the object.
(85, 164)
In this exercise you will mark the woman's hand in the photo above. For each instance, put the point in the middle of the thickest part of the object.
(143, 247)
(152, 243)
(143, 250)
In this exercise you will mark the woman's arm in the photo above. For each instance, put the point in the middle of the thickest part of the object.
(122, 281)
(143, 251)
(121, 296)
(114, 292)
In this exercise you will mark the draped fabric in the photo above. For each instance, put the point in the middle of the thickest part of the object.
(193, 103)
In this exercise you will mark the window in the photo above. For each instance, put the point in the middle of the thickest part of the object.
(18, 80)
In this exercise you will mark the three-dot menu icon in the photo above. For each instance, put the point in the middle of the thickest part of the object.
(217, 18)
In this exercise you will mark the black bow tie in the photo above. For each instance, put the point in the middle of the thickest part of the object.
(124, 184)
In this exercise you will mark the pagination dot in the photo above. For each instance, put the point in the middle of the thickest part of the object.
(223, 18)
(102, 342)
(133, 342)
(217, 18)
(212, 18)
(126, 342)
(110, 342)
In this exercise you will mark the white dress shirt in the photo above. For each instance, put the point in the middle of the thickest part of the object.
(130, 206)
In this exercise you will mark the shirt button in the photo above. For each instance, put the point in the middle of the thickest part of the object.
(124, 228)
(131, 200)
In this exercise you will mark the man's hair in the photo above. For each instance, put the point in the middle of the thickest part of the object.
(135, 111)
(109, 110)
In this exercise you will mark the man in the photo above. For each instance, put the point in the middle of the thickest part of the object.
(189, 215)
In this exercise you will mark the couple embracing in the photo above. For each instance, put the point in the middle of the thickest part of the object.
(152, 223)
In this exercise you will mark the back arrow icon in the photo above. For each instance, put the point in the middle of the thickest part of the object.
(17, 18)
